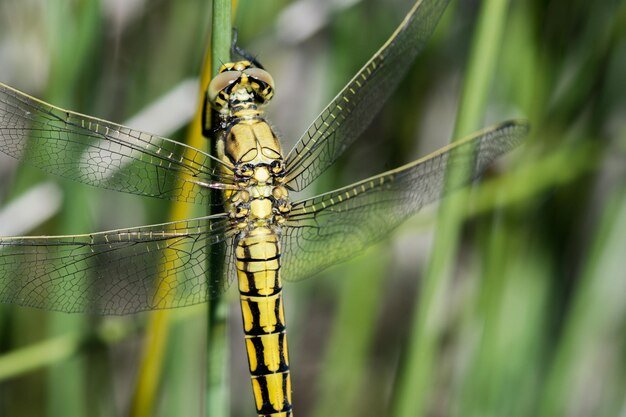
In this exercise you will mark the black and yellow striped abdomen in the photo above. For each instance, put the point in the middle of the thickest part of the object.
(258, 273)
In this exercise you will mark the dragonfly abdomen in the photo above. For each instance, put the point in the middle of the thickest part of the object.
(258, 273)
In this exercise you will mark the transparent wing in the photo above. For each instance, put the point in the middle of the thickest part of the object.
(348, 114)
(333, 227)
(116, 272)
(101, 153)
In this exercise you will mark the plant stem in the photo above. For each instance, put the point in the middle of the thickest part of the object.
(217, 349)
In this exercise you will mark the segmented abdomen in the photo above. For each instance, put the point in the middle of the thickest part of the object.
(258, 273)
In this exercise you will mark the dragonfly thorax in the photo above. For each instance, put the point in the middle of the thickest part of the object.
(247, 142)
(261, 201)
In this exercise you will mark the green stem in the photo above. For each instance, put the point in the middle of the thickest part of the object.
(217, 349)
(72, 44)
(481, 68)
(596, 316)
(221, 34)
(418, 369)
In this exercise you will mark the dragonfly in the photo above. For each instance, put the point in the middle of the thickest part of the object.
(268, 237)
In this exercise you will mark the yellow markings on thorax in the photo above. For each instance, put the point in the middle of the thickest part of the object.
(251, 141)
(248, 115)
(261, 174)
(260, 208)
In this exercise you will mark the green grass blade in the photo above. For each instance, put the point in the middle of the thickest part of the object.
(217, 344)
(593, 341)
(72, 42)
(417, 371)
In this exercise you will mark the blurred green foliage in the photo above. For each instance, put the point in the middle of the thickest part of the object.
(533, 314)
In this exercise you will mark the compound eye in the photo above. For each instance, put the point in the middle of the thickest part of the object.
(260, 75)
(220, 82)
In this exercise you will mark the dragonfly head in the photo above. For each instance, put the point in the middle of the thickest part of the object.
(240, 81)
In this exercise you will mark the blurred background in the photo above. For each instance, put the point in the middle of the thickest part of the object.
(528, 316)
